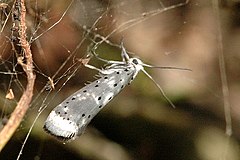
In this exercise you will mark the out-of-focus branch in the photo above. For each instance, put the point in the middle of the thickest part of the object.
(222, 67)
(24, 102)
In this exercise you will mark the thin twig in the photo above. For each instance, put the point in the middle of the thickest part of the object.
(225, 90)
(24, 102)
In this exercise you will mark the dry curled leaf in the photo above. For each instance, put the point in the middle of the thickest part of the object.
(84, 61)
(51, 82)
(10, 94)
(3, 5)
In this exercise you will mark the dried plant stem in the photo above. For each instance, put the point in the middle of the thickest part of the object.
(24, 102)
(225, 90)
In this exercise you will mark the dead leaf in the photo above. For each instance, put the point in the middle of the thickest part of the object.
(10, 94)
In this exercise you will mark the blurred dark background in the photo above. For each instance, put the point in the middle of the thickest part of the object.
(138, 123)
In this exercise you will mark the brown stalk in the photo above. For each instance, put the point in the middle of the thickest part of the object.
(24, 102)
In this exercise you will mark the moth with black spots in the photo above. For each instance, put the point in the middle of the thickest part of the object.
(70, 118)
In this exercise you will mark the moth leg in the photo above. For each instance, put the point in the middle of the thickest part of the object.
(93, 67)
(102, 71)
(108, 61)
(124, 55)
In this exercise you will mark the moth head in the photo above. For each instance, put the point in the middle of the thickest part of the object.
(137, 63)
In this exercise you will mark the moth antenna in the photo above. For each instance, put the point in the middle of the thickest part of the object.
(162, 67)
(160, 88)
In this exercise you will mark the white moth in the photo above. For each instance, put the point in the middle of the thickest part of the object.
(70, 118)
